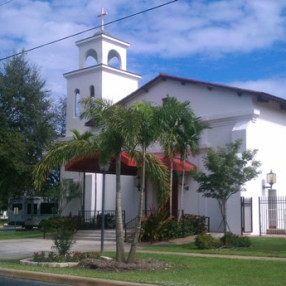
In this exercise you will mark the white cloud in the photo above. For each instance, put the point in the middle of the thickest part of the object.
(183, 29)
(274, 86)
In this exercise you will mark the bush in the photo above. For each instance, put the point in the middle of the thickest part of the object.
(109, 221)
(151, 226)
(63, 241)
(158, 226)
(232, 240)
(71, 257)
(63, 229)
(170, 229)
(206, 241)
(194, 224)
(55, 224)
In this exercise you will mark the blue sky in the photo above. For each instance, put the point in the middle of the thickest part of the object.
(235, 42)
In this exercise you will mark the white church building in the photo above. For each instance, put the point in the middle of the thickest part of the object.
(257, 118)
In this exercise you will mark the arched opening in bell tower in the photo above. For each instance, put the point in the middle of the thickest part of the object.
(91, 58)
(114, 59)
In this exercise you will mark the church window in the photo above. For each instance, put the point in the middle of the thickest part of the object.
(114, 59)
(91, 58)
(91, 89)
(77, 103)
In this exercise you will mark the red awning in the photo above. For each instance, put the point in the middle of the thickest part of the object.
(128, 164)
(178, 164)
(91, 165)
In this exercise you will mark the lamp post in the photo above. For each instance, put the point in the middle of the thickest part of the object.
(270, 179)
(103, 168)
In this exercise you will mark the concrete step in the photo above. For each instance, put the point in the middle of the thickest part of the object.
(109, 235)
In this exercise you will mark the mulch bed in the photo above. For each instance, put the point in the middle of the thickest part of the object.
(111, 265)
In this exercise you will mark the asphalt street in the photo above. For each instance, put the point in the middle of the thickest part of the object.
(5, 281)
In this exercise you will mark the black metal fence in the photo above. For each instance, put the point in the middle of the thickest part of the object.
(93, 219)
(246, 215)
(272, 213)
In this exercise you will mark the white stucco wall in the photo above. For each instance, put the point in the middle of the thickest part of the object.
(231, 116)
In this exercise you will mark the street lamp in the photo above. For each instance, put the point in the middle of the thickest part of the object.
(103, 168)
(270, 179)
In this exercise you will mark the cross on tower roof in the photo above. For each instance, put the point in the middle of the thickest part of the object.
(102, 15)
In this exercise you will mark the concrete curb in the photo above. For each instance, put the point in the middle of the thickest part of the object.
(64, 279)
(28, 261)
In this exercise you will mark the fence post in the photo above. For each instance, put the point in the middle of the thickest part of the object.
(259, 216)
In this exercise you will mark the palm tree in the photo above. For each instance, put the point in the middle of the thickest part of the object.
(180, 130)
(62, 152)
(106, 117)
(188, 142)
(146, 133)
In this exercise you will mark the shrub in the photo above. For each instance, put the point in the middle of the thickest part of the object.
(170, 229)
(71, 257)
(158, 226)
(109, 221)
(194, 224)
(55, 224)
(232, 240)
(63, 229)
(63, 241)
(206, 241)
(151, 226)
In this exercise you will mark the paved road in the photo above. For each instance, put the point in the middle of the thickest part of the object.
(4, 281)
(23, 248)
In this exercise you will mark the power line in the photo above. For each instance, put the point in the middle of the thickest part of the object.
(88, 30)
(5, 3)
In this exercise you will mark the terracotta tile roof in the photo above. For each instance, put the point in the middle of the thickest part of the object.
(261, 96)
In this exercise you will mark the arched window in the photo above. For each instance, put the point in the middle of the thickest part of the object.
(77, 103)
(114, 59)
(91, 58)
(91, 91)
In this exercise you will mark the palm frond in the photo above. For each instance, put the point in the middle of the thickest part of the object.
(61, 153)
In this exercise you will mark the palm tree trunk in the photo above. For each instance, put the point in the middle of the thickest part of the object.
(132, 253)
(120, 252)
(171, 185)
(182, 190)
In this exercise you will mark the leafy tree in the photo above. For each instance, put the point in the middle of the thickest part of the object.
(60, 110)
(180, 132)
(226, 174)
(26, 123)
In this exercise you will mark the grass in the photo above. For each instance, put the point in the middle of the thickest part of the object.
(186, 271)
(261, 246)
(20, 234)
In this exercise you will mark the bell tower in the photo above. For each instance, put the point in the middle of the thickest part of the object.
(102, 73)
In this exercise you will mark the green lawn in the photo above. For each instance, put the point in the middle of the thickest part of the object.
(20, 234)
(261, 246)
(187, 271)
